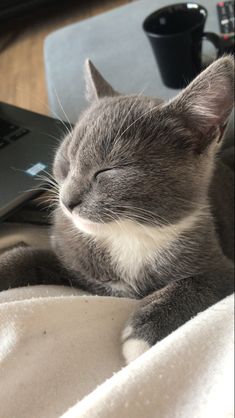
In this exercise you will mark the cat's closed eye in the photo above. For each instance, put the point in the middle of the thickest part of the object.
(113, 170)
(104, 170)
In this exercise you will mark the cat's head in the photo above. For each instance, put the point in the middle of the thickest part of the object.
(137, 158)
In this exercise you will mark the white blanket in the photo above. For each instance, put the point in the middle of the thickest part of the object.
(60, 356)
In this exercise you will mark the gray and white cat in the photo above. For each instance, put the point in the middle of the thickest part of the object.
(145, 205)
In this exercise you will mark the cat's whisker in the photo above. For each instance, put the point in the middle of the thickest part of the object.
(49, 174)
(38, 189)
(115, 220)
(140, 210)
(49, 111)
(50, 193)
(193, 203)
(125, 215)
(47, 195)
(41, 188)
(121, 224)
(58, 140)
(154, 217)
(145, 214)
(135, 219)
(60, 104)
(140, 117)
(49, 189)
(48, 178)
(47, 205)
(48, 201)
(51, 186)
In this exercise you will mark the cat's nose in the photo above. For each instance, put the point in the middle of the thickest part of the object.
(71, 204)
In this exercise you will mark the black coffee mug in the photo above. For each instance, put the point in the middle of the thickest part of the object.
(176, 33)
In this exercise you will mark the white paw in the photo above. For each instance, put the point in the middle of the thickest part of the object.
(126, 333)
(132, 347)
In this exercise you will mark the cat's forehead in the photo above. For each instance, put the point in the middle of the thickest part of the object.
(111, 128)
(117, 110)
(113, 118)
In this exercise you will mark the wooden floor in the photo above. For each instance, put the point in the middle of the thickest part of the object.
(21, 62)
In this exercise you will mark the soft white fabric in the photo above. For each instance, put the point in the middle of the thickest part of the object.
(60, 356)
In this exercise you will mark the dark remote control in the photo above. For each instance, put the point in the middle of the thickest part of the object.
(225, 11)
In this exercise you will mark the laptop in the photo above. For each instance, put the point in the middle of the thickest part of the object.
(27, 146)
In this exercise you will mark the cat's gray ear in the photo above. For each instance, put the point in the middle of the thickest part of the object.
(206, 103)
(96, 86)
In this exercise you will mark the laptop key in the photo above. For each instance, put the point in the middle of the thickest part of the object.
(18, 134)
(7, 128)
(3, 143)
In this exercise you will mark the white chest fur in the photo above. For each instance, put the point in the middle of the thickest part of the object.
(132, 246)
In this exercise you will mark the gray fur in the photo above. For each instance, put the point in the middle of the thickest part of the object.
(96, 85)
(154, 164)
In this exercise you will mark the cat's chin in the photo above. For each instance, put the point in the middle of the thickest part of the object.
(84, 225)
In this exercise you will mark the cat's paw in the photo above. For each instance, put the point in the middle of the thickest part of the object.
(132, 347)
(145, 327)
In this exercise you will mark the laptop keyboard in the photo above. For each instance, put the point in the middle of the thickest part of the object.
(10, 132)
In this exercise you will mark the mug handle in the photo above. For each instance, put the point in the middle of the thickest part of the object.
(215, 40)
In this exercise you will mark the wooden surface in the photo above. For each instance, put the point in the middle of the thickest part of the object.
(21, 62)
